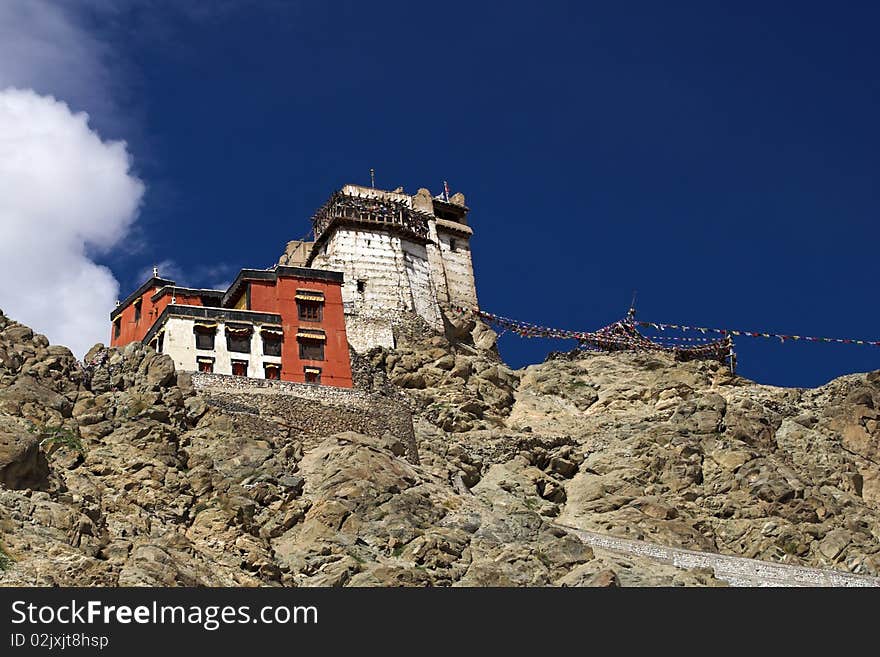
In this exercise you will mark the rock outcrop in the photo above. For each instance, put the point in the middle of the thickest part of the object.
(119, 473)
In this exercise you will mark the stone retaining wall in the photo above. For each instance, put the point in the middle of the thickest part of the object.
(312, 410)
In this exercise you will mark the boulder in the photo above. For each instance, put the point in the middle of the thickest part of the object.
(22, 463)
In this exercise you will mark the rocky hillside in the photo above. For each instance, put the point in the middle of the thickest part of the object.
(119, 473)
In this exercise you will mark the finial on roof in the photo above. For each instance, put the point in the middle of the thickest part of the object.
(117, 303)
(155, 271)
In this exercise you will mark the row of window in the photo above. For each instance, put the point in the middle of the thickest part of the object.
(309, 309)
(309, 348)
(270, 370)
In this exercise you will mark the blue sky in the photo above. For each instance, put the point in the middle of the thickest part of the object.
(720, 158)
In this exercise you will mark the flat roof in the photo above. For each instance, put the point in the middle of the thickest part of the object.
(283, 271)
(188, 291)
(207, 312)
(152, 282)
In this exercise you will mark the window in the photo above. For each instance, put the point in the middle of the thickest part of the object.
(273, 371)
(205, 336)
(271, 345)
(311, 349)
(238, 339)
(239, 368)
(117, 327)
(362, 286)
(312, 374)
(238, 344)
(137, 311)
(452, 245)
(310, 305)
(160, 341)
(205, 364)
(310, 311)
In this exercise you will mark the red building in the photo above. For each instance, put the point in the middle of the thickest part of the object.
(283, 323)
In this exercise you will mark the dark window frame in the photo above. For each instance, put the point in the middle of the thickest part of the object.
(117, 327)
(237, 361)
(317, 377)
(138, 306)
(305, 344)
(235, 343)
(205, 334)
(277, 345)
(209, 363)
(275, 367)
(310, 311)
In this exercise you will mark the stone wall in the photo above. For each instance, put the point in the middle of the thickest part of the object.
(367, 331)
(736, 571)
(388, 274)
(313, 411)
(458, 269)
(384, 273)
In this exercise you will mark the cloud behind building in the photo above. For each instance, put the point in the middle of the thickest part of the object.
(66, 195)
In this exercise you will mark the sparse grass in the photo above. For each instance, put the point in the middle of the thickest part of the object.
(5, 560)
(138, 403)
(396, 552)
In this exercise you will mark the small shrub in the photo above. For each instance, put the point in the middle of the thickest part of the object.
(58, 437)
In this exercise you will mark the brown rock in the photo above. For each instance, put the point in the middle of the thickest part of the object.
(604, 579)
(22, 462)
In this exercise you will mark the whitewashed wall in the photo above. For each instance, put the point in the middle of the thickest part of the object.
(458, 269)
(180, 343)
(400, 275)
(395, 271)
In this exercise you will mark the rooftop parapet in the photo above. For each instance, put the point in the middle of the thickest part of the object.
(356, 205)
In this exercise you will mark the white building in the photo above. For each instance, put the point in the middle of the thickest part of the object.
(399, 254)
(220, 340)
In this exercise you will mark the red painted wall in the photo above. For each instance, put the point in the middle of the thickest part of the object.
(277, 297)
(336, 367)
(131, 331)
(280, 298)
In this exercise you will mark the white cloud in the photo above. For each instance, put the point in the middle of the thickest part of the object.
(63, 194)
